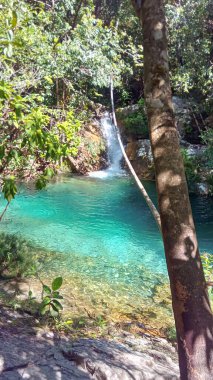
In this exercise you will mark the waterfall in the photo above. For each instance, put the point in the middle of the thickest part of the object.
(114, 154)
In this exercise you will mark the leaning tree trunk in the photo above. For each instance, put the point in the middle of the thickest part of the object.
(192, 312)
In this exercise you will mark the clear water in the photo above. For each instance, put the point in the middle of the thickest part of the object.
(102, 228)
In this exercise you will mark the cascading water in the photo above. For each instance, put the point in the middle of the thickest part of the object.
(114, 153)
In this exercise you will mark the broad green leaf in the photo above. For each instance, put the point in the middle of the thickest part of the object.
(53, 311)
(46, 301)
(57, 282)
(57, 304)
(41, 183)
(14, 19)
(46, 289)
(57, 296)
(44, 309)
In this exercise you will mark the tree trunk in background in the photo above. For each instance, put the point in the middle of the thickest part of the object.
(75, 19)
(192, 312)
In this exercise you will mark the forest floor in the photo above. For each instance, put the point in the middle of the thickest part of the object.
(31, 351)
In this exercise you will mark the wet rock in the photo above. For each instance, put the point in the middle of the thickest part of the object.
(182, 114)
(126, 111)
(193, 150)
(140, 155)
(202, 188)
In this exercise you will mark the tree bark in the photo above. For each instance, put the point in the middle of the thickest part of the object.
(75, 19)
(192, 311)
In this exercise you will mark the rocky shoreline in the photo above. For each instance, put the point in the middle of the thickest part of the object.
(38, 353)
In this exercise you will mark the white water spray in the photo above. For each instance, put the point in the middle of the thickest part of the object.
(114, 153)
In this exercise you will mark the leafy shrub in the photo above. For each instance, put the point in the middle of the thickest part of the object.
(207, 261)
(33, 134)
(207, 138)
(171, 334)
(209, 180)
(50, 298)
(136, 123)
(15, 256)
(191, 168)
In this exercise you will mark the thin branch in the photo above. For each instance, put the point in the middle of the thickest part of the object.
(149, 202)
(5, 209)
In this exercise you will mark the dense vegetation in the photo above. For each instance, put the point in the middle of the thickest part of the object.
(56, 59)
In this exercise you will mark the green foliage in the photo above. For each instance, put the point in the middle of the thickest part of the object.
(207, 261)
(64, 56)
(9, 188)
(50, 298)
(207, 137)
(15, 256)
(191, 168)
(33, 138)
(136, 122)
(209, 181)
(171, 334)
(101, 322)
(190, 46)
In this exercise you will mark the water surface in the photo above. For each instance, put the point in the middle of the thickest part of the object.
(103, 228)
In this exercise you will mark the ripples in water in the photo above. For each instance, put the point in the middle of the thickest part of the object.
(103, 228)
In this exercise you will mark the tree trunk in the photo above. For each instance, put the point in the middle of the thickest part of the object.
(192, 312)
(75, 19)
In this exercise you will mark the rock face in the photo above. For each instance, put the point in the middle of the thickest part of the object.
(38, 354)
(140, 155)
(138, 359)
(92, 150)
(182, 114)
(44, 359)
(193, 150)
(202, 188)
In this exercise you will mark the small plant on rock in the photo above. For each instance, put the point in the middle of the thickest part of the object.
(50, 298)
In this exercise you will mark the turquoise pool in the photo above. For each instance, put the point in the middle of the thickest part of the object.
(102, 228)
